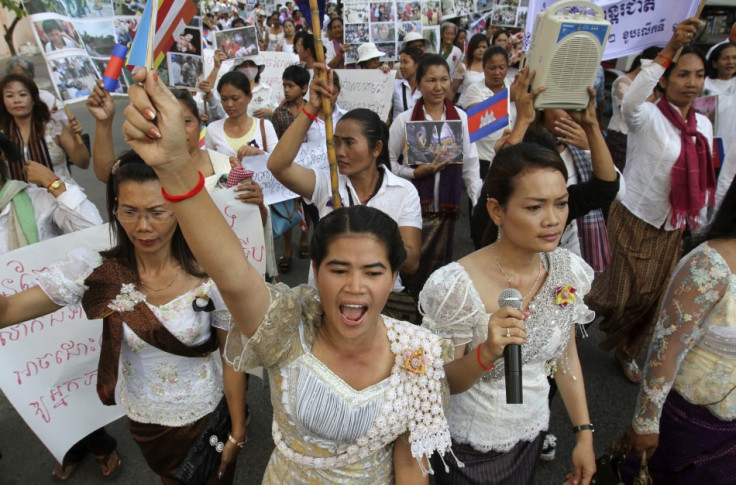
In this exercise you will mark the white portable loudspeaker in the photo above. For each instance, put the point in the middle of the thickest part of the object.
(566, 48)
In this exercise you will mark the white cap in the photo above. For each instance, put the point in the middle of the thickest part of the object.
(412, 36)
(368, 51)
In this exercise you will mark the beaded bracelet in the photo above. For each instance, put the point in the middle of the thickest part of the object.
(493, 366)
(178, 198)
(314, 117)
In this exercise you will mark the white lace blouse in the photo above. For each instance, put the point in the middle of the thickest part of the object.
(452, 308)
(157, 387)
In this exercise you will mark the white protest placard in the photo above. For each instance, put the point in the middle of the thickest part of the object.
(635, 25)
(273, 191)
(48, 365)
(371, 89)
(272, 74)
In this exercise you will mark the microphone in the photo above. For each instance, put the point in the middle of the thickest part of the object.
(511, 297)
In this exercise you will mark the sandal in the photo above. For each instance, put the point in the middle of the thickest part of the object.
(303, 252)
(109, 464)
(284, 264)
(61, 472)
(630, 369)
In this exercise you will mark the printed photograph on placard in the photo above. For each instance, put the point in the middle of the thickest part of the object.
(98, 37)
(45, 6)
(382, 12)
(189, 42)
(132, 7)
(389, 49)
(101, 65)
(431, 13)
(434, 142)
(483, 5)
(507, 3)
(465, 7)
(89, 8)
(125, 29)
(357, 33)
(448, 8)
(236, 43)
(184, 69)
(406, 27)
(521, 16)
(74, 76)
(351, 56)
(503, 15)
(432, 34)
(708, 107)
(383, 32)
(409, 11)
(356, 13)
(57, 34)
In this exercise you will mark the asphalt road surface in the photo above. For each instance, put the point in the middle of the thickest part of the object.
(611, 398)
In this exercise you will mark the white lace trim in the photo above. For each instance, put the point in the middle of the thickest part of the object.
(412, 402)
(63, 282)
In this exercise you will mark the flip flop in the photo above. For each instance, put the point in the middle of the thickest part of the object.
(63, 473)
(285, 264)
(303, 252)
(109, 464)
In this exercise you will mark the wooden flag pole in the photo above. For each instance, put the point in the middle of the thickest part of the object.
(151, 35)
(326, 106)
(77, 136)
(697, 16)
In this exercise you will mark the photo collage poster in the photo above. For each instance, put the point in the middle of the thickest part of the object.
(77, 37)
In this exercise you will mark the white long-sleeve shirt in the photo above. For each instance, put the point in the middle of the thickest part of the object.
(69, 212)
(653, 148)
(471, 166)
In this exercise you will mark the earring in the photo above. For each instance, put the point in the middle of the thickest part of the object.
(498, 235)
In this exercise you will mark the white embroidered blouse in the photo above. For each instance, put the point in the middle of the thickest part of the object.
(452, 308)
(157, 387)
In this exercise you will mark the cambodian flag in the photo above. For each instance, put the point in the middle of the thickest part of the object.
(489, 116)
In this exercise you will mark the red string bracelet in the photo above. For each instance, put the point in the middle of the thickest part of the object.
(493, 366)
(508, 142)
(178, 198)
(667, 60)
(314, 117)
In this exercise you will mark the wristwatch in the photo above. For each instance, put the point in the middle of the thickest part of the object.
(583, 427)
(53, 186)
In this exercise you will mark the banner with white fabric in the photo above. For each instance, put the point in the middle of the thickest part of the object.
(48, 365)
(635, 24)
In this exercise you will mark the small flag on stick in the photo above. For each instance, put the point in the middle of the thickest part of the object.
(489, 116)
(114, 67)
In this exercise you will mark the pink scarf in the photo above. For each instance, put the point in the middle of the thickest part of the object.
(693, 177)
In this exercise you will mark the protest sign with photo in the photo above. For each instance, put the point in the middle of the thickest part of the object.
(237, 43)
(434, 142)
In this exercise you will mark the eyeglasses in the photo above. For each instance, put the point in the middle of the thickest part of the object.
(153, 216)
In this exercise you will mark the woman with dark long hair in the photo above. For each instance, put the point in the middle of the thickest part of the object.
(163, 318)
(340, 372)
(667, 191)
(26, 120)
(685, 418)
(473, 69)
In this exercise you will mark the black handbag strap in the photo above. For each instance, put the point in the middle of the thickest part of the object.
(403, 94)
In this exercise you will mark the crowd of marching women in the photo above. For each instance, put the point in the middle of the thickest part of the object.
(389, 363)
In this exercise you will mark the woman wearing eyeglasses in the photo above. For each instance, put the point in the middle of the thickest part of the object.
(163, 318)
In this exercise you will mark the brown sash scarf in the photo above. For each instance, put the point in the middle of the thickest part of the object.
(104, 286)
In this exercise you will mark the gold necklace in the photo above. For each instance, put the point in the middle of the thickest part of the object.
(508, 280)
(163, 288)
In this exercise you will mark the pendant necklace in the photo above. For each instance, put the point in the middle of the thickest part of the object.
(508, 280)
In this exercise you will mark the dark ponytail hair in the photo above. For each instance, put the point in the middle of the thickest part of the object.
(374, 129)
(510, 163)
(9, 155)
(358, 219)
(428, 61)
(236, 79)
(131, 168)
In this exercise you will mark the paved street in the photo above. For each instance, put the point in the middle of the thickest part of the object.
(25, 460)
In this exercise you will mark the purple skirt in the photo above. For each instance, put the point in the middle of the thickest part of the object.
(695, 447)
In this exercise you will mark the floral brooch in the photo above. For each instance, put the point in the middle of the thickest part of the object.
(564, 295)
(128, 298)
(203, 303)
(415, 362)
